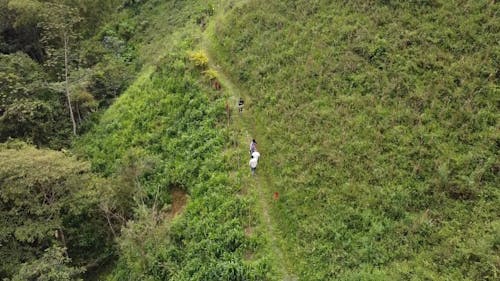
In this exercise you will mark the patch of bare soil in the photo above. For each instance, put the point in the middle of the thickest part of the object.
(179, 200)
(248, 231)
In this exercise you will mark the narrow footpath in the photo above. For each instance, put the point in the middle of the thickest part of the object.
(242, 127)
(259, 184)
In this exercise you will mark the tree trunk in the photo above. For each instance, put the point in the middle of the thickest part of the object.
(66, 78)
(110, 225)
(63, 240)
(78, 113)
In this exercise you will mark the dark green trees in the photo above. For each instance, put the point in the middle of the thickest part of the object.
(52, 266)
(29, 108)
(49, 199)
(56, 64)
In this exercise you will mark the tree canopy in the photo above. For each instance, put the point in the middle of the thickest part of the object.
(49, 198)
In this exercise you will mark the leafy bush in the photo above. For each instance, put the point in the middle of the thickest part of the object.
(199, 58)
(29, 108)
(52, 266)
(210, 74)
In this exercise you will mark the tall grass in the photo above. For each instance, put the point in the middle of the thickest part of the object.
(380, 123)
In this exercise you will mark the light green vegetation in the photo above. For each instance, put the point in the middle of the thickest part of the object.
(167, 131)
(379, 120)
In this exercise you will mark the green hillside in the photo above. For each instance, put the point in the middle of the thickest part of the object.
(168, 131)
(377, 121)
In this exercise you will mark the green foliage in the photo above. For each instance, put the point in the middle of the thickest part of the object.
(210, 74)
(50, 32)
(94, 13)
(55, 23)
(165, 132)
(131, 132)
(53, 205)
(109, 79)
(379, 120)
(54, 265)
(87, 212)
(29, 108)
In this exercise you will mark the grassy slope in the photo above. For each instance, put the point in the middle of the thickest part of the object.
(169, 127)
(380, 122)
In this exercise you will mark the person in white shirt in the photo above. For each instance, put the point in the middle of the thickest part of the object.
(256, 154)
(253, 164)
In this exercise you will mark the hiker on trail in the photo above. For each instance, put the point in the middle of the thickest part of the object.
(240, 105)
(256, 155)
(253, 165)
(253, 146)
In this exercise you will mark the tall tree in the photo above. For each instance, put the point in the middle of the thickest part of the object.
(57, 23)
(58, 26)
(54, 265)
(57, 205)
(29, 108)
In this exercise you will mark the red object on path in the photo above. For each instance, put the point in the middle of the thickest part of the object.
(216, 85)
(276, 196)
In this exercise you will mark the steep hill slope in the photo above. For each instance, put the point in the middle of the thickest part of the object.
(167, 133)
(379, 122)
(378, 125)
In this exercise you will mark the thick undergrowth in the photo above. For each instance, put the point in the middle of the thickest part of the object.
(379, 120)
(167, 133)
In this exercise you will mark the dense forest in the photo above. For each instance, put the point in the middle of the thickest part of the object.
(124, 156)
(62, 63)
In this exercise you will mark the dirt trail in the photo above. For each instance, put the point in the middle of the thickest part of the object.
(179, 199)
(242, 128)
(243, 125)
(260, 183)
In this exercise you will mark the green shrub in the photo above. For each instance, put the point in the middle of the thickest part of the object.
(210, 74)
(57, 206)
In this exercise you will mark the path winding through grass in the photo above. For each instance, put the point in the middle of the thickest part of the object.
(260, 183)
(258, 187)
(243, 128)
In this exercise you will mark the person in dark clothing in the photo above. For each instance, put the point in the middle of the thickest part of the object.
(240, 105)
(253, 146)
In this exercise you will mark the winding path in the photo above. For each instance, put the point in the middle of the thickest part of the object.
(244, 126)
